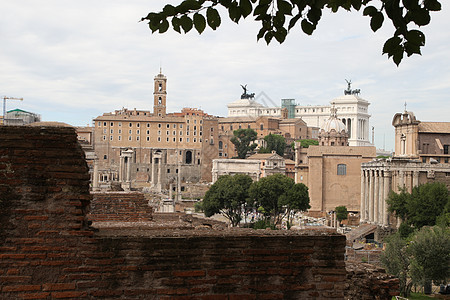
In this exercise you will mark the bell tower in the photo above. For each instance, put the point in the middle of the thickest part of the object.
(160, 95)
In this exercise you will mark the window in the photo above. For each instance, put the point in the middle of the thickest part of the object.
(110, 137)
(342, 169)
(159, 132)
(138, 125)
(130, 131)
(148, 125)
(104, 123)
(181, 139)
(187, 140)
(138, 131)
(159, 139)
(174, 140)
(168, 171)
(231, 127)
(195, 140)
(120, 137)
(446, 149)
(181, 125)
(137, 138)
(129, 138)
(120, 131)
(261, 126)
(174, 132)
(220, 145)
(167, 132)
(159, 125)
(167, 139)
(148, 131)
(105, 156)
(112, 124)
(148, 139)
(99, 124)
(131, 124)
(104, 137)
(167, 125)
(120, 124)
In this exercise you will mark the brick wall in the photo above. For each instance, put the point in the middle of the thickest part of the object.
(119, 206)
(48, 252)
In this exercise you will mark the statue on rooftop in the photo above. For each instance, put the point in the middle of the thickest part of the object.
(245, 95)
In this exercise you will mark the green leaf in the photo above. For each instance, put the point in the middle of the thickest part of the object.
(186, 23)
(213, 18)
(377, 21)
(284, 7)
(307, 27)
(234, 12)
(199, 22)
(268, 37)
(176, 24)
(246, 7)
(169, 10)
(432, 5)
(369, 11)
(416, 37)
(398, 56)
(391, 45)
(411, 4)
(260, 9)
(261, 33)
(314, 15)
(278, 20)
(356, 4)
(280, 35)
(293, 21)
(163, 26)
(421, 17)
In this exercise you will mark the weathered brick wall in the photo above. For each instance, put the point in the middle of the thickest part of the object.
(47, 252)
(119, 206)
(369, 282)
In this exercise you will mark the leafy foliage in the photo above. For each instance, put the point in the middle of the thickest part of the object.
(278, 17)
(341, 213)
(274, 142)
(419, 259)
(430, 249)
(305, 143)
(396, 259)
(423, 206)
(278, 195)
(228, 195)
(242, 139)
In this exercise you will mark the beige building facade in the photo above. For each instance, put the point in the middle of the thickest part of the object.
(332, 170)
(158, 150)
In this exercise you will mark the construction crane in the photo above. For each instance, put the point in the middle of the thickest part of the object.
(4, 105)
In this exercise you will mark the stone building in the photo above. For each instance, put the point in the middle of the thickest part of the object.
(256, 166)
(159, 150)
(332, 170)
(353, 111)
(421, 156)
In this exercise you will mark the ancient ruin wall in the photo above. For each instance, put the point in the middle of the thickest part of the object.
(48, 252)
(120, 207)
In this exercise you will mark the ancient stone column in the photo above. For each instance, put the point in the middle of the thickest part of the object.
(401, 176)
(366, 195)
(363, 203)
(371, 179)
(159, 175)
(153, 170)
(380, 200)
(95, 175)
(121, 172)
(387, 189)
(376, 189)
(415, 178)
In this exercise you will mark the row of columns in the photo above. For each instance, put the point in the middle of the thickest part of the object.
(375, 188)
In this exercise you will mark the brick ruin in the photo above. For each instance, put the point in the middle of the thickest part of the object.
(49, 251)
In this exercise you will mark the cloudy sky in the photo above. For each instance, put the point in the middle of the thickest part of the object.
(72, 61)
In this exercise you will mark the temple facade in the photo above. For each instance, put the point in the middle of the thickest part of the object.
(421, 156)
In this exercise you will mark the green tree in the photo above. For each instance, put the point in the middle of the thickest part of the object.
(228, 196)
(422, 206)
(305, 143)
(341, 213)
(279, 17)
(274, 142)
(278, 195)
(242, 141)
(430, 249)
(396, 259)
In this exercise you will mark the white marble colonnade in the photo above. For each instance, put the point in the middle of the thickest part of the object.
(375, 188)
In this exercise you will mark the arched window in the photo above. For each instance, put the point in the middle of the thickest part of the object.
(342, 169)
(220, 145)
(188, 157)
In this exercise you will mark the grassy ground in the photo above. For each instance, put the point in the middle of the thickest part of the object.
(417, 296)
